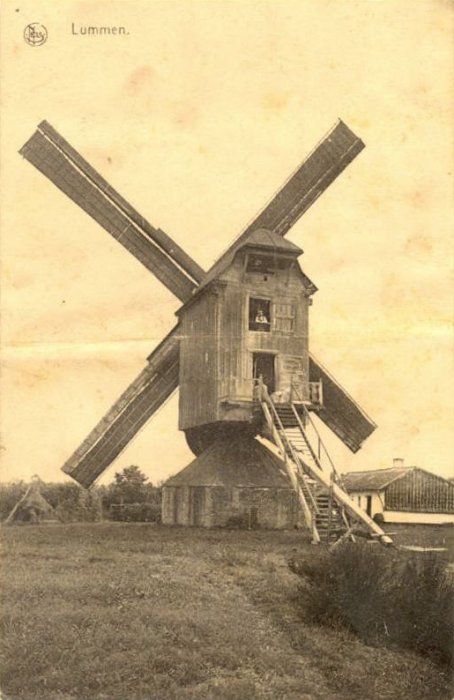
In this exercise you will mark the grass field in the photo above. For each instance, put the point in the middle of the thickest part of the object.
(139, 611)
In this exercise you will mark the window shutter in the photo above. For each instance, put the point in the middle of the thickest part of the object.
(284, 315)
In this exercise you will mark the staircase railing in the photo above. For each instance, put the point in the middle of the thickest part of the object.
(338, 492)
(335, 477)
(291, 459)
(331, 481)
(296, 396)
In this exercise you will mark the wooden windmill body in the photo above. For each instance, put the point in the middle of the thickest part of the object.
(240, 349)
(249, 320)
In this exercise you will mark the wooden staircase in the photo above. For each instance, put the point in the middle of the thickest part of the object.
(329, 520)
(329, 511)
(287, 417)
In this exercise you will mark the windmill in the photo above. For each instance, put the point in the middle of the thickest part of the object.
(234, 385)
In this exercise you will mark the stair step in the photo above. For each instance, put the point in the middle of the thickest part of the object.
(329, 518)
(325, 511)
(324, 521)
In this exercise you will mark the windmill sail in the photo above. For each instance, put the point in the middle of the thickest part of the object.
(339, 411)
(151, 388)
(56, 159)
(328, 159)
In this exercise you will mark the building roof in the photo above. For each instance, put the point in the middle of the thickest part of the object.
(373, 479)
(244, 463)
(261, 238)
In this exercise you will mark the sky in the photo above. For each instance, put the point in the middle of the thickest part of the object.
(197, 116)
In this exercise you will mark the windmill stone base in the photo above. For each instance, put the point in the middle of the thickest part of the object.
(233, 483)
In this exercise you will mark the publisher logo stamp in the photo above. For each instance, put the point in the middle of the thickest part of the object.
(35, 34)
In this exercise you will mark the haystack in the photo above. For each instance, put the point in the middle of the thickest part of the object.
(32, 507)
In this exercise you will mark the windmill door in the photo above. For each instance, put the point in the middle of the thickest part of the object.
(263, 366)
(197, 502)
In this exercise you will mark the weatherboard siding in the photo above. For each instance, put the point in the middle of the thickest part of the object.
(198, 363)
(419, 491)
(217, 347)
(237, 343)
(234, 380)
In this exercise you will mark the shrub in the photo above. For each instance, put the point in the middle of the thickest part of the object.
(136, 512)
(383, 596)
(74, 503)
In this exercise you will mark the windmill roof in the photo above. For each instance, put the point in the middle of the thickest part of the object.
(260, 238)
(242, 463)
(373, 479)
(263, 238)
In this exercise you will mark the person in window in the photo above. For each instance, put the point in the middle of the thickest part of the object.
(261, 319)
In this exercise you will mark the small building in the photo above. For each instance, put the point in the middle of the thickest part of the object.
(237, 484)
(402, 494)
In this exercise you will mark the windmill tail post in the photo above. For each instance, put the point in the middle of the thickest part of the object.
(327, 508)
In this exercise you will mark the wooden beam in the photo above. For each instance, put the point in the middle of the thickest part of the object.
(319, 170)
(70, 179)
(340, 412)
(155, 234)
(147, 393)
(308, 515)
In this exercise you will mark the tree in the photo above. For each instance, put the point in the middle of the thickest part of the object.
(74, 503)
(130, 486)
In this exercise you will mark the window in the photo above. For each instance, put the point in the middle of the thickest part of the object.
(266, 264)
(316, 393)
(285, 318)
(259, 315)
